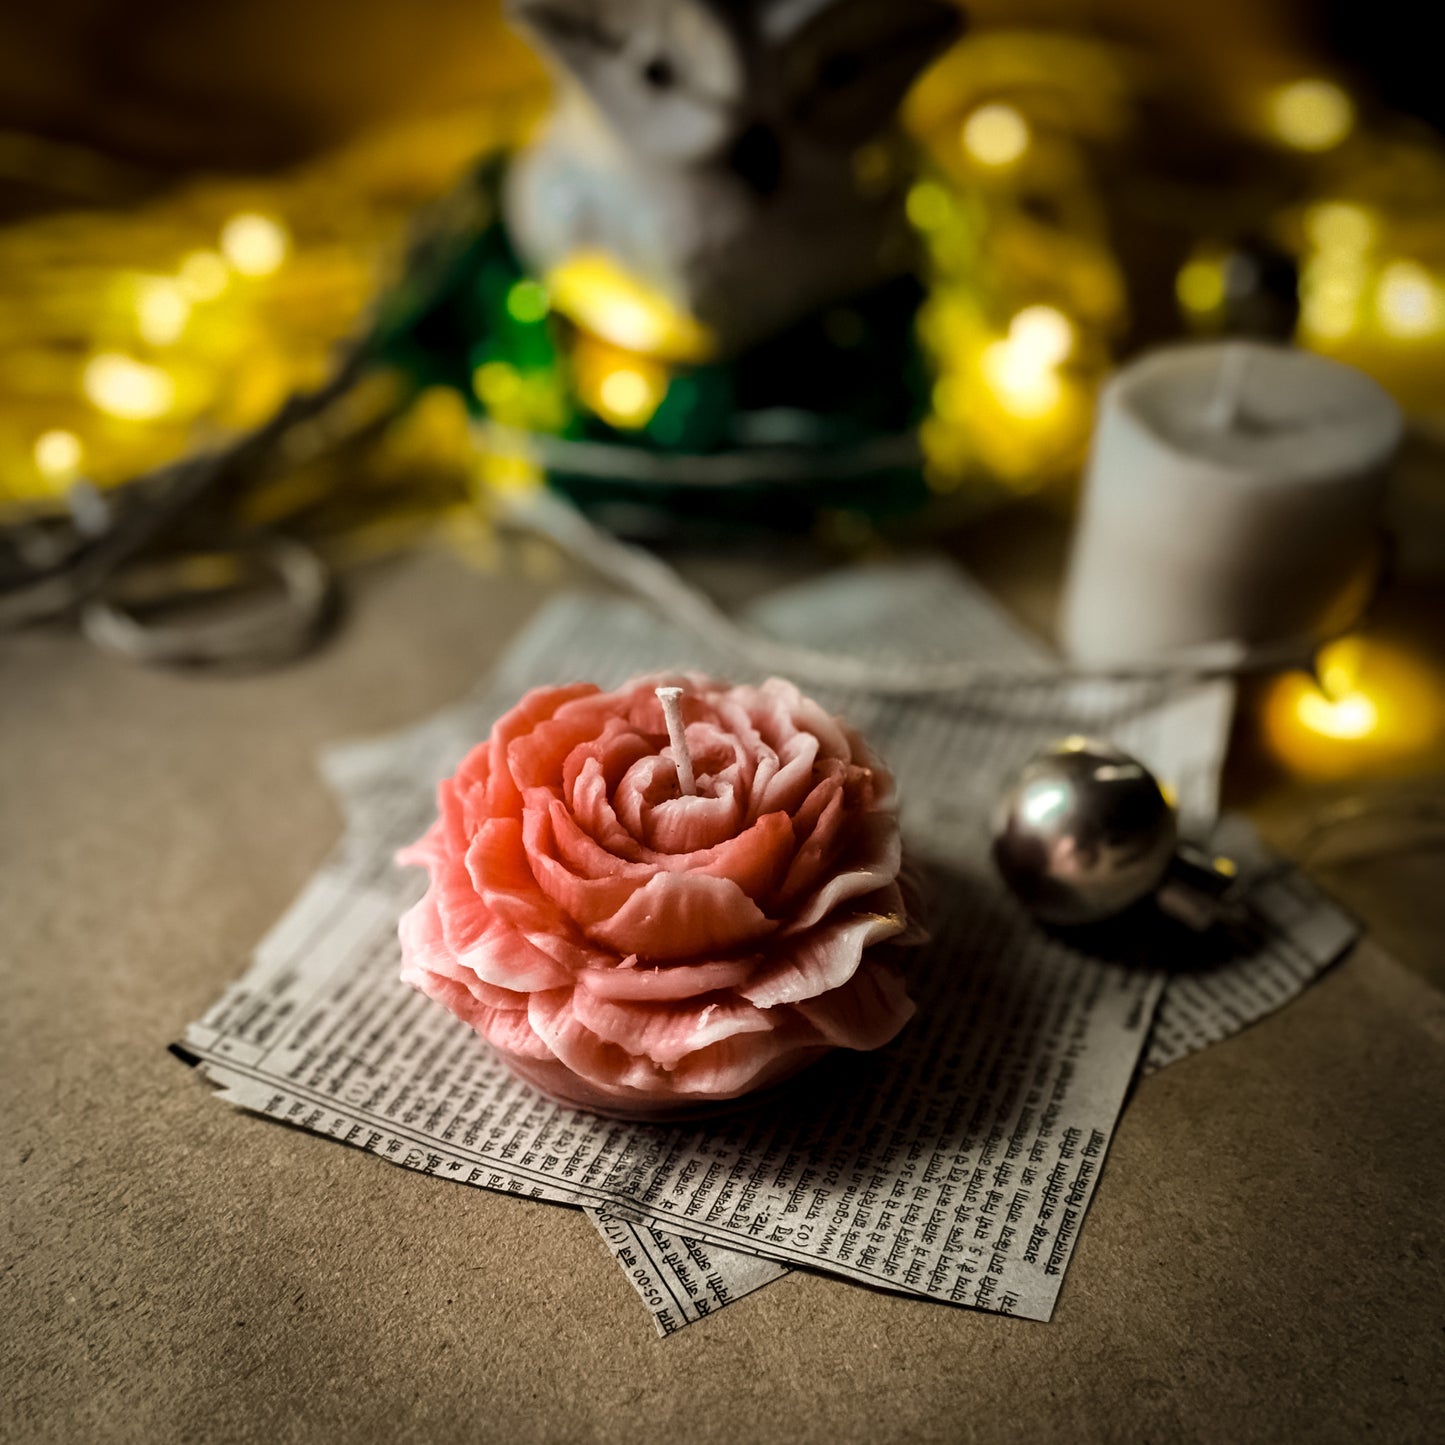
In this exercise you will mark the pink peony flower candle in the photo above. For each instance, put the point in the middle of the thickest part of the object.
(656, 899)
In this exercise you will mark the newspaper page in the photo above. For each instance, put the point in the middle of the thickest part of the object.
(680, 1280)
(956, 1164)
(1292, 935)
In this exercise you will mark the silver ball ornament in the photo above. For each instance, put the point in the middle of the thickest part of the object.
(1084, 832)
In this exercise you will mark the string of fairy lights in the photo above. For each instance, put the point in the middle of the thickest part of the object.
(131, 337)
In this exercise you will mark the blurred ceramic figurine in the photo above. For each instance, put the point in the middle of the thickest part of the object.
(708, 147)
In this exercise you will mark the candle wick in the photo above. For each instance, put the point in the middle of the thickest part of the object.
(1228, 398)
(670, 698)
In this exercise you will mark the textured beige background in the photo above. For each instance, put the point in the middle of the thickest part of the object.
(1262, 1261)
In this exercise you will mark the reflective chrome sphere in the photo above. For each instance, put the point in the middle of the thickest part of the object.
(1084, 832)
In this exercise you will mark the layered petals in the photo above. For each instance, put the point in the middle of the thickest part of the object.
(641, 952)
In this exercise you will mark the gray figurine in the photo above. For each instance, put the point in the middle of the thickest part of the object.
(708, 147)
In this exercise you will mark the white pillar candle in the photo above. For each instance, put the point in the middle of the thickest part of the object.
(1233, 494)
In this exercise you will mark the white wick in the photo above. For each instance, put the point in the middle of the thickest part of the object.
(670, 698)
(1228, 397)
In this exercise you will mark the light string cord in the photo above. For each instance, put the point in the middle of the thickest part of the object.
(649, 577)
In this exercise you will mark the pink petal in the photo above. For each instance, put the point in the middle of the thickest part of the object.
(538, 759)
(503, 797)
(582, 853)
(865, 1013)
(873, 863)
(722, 1070)
(818, 826)
(613, 751)
(666, 981)
(786, 789)
(686, 824)
(494, 949)
(425, 950)
(678, 915)
(822, 958)
(588, 902)
(496, 863)
(593, 810)
(667, 1032)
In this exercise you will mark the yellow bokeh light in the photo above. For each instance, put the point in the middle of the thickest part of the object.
(1332, 286)
(1022, 385)
(1331, 317)
(627, 397)
(162, 310)
(1373, 708)
(1340, 226)
(1408, 301)
(496, 384)
(1200, 286)
(995, 135)
(594, 291)
(927, 205)
(203, 276)
(509, 470)
(1042, 334)
(950, 398)
(58, 455)
(1310, 115)
(254, 244)
(1338, 666)
(124, 387)
(1352, 716)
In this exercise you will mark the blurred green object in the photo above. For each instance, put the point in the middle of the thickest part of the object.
(821, 417)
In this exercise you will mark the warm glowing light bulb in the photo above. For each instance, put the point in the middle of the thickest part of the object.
(1021, 384)
(1337, 708)
(1408, 301)
(1338, 666)
(1351, 716)
(127, 388)
(58, 454)
(255, 245)
(1200, 286)
(1042, 334)
(162, 310)
(203, 276)
(1372, 707)
(1311, 115)
(995, 135)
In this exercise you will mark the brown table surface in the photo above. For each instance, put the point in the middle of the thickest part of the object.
(1262, 1261)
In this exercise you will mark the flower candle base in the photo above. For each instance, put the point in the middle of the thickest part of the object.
(561, 1085)
(650, 921)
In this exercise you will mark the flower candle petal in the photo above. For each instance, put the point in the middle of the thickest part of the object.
(865, 1013)
(668, 1033)
(822, 958)
(679, 915)
(640, 951)
(664, 982)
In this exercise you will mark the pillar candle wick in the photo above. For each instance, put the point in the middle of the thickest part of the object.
(1228, 398)
(670, 698)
